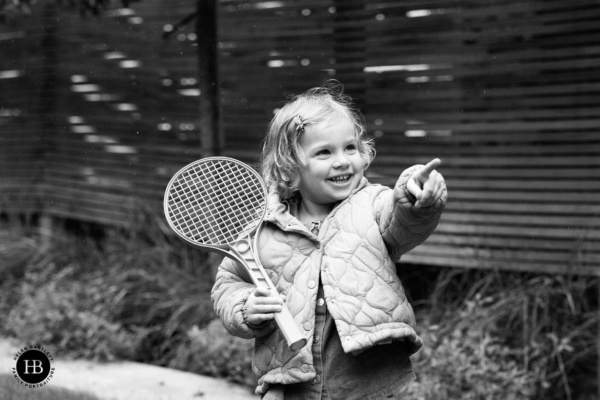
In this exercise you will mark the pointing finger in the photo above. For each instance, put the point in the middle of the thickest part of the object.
(423, 174)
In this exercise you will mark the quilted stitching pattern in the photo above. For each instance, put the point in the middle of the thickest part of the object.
(352, 256)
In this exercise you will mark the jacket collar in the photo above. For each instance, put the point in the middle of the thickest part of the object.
(282, 212)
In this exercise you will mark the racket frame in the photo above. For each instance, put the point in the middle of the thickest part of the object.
(243, 250)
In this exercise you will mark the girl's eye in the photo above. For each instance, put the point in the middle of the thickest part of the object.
(351, 147)
(322, 152)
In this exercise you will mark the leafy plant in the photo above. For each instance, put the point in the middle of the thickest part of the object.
(469, 361)
(213, 351)
(106, 293)
(526, 335)
(71, 317)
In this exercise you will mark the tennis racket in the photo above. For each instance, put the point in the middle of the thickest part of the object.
(217, 203)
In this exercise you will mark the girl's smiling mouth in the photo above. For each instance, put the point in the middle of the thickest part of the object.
(340, 179)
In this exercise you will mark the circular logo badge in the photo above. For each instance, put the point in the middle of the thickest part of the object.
(33, 366)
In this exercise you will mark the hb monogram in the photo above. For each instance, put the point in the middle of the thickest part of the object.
(35, 366)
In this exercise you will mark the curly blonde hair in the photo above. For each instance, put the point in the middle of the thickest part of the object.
(280, 154)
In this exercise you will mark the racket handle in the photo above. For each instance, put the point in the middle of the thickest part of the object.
(288, 327)
(285, 321)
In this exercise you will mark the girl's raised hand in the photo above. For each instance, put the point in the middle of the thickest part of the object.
(427, 185)
(262, 304)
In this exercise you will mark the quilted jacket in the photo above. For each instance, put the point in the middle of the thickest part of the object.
(354, 255)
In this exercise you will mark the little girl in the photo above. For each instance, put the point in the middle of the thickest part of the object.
(330, 244)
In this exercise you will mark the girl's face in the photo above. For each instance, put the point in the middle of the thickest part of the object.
(333, 166)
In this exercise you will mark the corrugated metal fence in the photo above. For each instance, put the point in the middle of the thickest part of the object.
(97, 113)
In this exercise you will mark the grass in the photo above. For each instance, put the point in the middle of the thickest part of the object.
(526, 335)
(10, 389)
(104, 293)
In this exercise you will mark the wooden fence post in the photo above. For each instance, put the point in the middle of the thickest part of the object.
(350, 47)
(47, 103)
(208, 82)
(206, 28)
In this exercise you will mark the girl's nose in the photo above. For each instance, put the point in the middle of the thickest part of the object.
(341, 161)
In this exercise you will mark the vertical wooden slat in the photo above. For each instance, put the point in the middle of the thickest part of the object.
(350, 47)
(206, 28)
(49, 85)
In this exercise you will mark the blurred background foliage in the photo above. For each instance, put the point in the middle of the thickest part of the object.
(105, 293)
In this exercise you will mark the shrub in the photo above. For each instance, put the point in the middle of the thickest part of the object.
(213, 351)
(469, 361)
(141, 294)
(117, 294)
(73, 318)
(526, 335)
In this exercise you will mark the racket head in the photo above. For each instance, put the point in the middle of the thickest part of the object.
(213, 201)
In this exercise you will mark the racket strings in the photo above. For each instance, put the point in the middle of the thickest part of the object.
(204, 218)
(214, 202)
(197, 211)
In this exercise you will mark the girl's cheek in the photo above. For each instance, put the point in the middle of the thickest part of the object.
(302, 156)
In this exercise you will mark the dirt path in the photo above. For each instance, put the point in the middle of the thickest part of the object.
(131, 381)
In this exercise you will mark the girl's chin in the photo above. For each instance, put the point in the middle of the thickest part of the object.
(341, 193)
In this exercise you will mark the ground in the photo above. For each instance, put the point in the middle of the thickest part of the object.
(130, 381)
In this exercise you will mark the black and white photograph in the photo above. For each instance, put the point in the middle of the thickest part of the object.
(299, 200)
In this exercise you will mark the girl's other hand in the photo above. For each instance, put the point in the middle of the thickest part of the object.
(262, 304)
(427, 185)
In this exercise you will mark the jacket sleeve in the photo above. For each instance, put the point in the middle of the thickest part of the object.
(403, 226)
(229, 295)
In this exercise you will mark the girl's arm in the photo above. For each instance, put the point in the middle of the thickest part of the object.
(410, 213)
(229, 296)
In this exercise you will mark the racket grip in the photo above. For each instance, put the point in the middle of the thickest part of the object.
(284, 319)
(289, 329)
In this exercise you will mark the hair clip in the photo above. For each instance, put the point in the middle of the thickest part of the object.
(299, 124)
